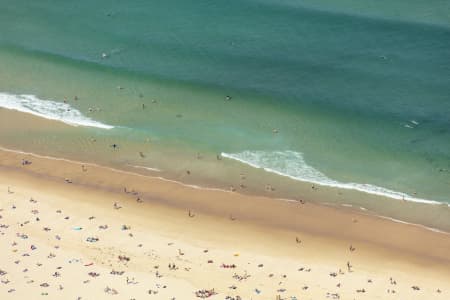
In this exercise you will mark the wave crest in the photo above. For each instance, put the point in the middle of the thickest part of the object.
(292, 164)
(48, 109)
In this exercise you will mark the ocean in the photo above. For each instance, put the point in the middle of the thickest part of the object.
(350, 97)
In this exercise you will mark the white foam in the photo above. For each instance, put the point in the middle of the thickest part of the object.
(292, 164)
(48, 109)
(146, 168)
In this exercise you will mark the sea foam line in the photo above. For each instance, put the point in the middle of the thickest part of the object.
(292, 164)
(48, 109)
(366, 212)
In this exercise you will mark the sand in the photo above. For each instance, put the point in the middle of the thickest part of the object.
(78, 231)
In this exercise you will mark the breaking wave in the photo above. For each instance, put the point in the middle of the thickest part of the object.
(48, 109)
(292, 164)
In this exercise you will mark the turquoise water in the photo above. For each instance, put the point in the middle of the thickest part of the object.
(352, 94)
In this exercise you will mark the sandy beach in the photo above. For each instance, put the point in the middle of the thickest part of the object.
(76, 231)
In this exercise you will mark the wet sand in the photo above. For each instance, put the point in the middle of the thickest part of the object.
(70, 229)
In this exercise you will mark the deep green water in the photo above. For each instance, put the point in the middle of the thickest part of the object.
(335, 93)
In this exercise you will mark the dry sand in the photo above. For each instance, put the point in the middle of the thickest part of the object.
(68, 232)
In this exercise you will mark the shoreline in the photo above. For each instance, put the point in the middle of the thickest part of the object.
(197, 197)
(358, 210)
